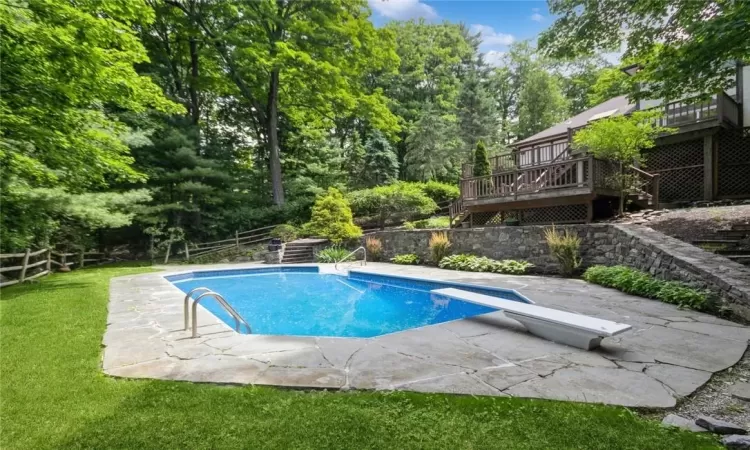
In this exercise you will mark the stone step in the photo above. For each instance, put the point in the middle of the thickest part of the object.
(733, 251)
(296, 261)
(733, 234)
(728, 242)
(297, 250)
(300, 245)
(742, 259)
(741, 227)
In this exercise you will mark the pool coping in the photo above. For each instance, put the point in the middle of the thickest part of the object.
(483, 355)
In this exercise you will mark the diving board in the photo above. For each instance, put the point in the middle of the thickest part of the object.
(564, 327)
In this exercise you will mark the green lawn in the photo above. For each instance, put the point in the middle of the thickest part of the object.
(53, 395)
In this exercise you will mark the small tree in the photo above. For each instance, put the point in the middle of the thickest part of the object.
(481, 161)
(621, 139)
(380, 161)
(332, 218)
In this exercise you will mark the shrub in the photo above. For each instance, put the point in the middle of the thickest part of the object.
(392, 202)
(408, 258)
(374, 248)
(440, 192)
(285, 232)
(333, 254)
(332, 218)
(433, 222)
(565, 248)
(639, 283)
(471, 263)
(481, 161)
(439, 246)
(409, 226)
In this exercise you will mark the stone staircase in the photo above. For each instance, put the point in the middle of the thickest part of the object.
(733, 243)
(297, 252)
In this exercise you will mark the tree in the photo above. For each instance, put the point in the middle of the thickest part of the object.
(541, 104)
(431, 146)
(65, 68)
(481, 161)
(380, 161)
(293, 57)
(620, 139)
(332, 218)
(434, 61)
(396, 201)
(682, 46)
(610, 83)
(477, 120)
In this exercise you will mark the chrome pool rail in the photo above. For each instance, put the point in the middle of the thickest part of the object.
(364, 261)
(238, 320)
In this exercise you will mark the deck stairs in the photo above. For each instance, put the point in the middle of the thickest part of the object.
(298, 252)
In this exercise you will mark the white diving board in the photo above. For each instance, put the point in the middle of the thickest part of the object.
(572, 329)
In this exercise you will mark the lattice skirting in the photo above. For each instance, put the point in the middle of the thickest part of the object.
(533, 216)
(734, 165)
(680, 167)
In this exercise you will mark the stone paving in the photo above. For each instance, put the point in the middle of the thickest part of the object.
(669, 353)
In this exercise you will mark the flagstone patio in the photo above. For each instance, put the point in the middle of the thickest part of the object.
(668, 355)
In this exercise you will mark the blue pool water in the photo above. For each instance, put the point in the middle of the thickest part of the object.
(302, 302)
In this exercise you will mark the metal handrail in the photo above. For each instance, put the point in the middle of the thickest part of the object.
(187, 304)
(364, 261)
(222, 302)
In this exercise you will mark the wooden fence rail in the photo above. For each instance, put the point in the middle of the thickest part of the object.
(47, 261)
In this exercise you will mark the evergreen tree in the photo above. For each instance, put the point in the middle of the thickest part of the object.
(481, 161)
(380, 162)
(541, 104)
(477, 118)
(431, 146)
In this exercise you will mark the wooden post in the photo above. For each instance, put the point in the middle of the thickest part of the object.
(49, 260)
(23, 265)
(237, 240)
(655, 194)
(81, 256)
(187, 252)
(708, 167)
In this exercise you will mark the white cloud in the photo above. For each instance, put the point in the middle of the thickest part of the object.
(403, 9)
(536, 17)
(494, 58)
(535, 9)
(490, 37)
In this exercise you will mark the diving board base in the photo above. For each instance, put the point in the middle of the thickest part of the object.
(561, 334)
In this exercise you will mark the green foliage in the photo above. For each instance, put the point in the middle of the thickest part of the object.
(407, 259)
(565, 248)
(431, 145)
(541, 103)
(639, 283)
(439, 246)
(409, 226)
(481, 161)
(374, 248)
(285, 232)
(477, 118)
(471, 263)
(683, 46)
(333, 254)
(380, 161)
(396, 201)
(332, 218)
(432, 222)
(440, 192)
(610, 83)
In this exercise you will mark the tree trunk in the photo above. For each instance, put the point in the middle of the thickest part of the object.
(195, 113)
(272, 139)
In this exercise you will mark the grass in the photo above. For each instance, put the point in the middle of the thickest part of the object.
(53, 395)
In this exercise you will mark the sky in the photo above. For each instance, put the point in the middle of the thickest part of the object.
(500, 22)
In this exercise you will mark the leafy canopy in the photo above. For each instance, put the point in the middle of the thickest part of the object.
(683, 46)
(395, 201)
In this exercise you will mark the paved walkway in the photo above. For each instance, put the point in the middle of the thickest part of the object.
(668, 354)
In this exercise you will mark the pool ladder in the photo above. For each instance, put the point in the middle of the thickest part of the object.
(364, 260)
(238, 320)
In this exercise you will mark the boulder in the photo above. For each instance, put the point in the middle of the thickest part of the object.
(719, 426)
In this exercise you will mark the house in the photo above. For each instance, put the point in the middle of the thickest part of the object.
(543, 181)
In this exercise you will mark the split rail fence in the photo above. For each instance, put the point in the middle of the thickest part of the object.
(38, 263)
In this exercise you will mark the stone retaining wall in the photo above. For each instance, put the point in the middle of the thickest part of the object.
(608, 244)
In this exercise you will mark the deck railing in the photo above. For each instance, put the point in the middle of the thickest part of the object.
(693, 110)
(564, 174)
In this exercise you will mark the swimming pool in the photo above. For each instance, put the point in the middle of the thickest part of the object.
(301, 301)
